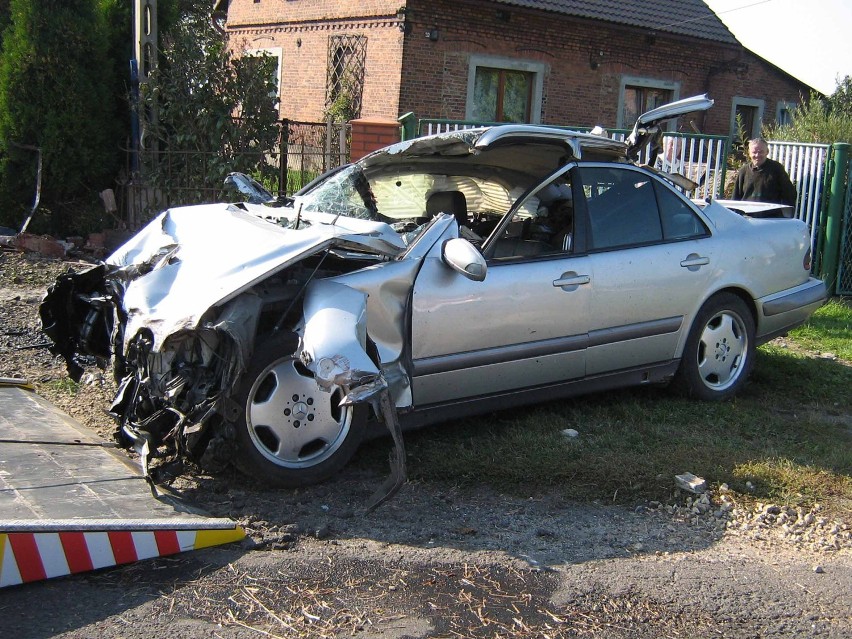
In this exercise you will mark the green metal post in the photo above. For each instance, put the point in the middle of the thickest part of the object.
(838, 166)
(407, 123)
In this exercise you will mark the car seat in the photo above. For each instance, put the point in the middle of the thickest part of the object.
(453, 202)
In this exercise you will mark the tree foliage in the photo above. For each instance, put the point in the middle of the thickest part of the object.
(54, 95)
(210, 103)
(65, 88)
(118, 20)
(5, 16)
(821, 120)
(841, 100)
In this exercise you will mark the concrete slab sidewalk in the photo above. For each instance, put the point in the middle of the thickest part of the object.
(71, 502)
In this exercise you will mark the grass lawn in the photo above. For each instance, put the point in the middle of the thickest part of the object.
(789, 434)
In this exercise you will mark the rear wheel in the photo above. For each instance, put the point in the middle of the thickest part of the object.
(290, 432)
(719, 352)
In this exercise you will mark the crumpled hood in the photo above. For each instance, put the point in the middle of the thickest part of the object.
(208, 254)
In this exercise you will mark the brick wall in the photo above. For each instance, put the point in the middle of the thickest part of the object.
(242, 13)
(435, 73)
(301, 30)
(410, 72)
(370, 134)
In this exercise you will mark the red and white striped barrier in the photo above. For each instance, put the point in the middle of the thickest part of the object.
(63, 548)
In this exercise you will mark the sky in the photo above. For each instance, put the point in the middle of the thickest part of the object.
(809, 39)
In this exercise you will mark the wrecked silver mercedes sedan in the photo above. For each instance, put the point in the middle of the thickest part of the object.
(436, 278)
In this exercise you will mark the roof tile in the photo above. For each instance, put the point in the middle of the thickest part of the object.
(691, 18)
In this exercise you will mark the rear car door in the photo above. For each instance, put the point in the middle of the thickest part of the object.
(651, 256)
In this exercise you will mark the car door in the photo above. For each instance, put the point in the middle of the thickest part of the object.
(650, 256)
(524, 326)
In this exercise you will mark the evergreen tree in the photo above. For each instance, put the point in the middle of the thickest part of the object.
(4, 17)
(55, 94)
(118, 19)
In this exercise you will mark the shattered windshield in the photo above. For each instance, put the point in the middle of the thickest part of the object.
(408, 195)
(401, 194)
(346, 193)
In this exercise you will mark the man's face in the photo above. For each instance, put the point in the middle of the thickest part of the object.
(757, 152)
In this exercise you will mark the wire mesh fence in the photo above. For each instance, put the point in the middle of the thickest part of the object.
(844, 272)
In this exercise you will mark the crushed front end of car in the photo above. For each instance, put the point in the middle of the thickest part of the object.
(178, 311)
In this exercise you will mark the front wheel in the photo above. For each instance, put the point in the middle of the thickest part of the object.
(719, 352)
(290, 432)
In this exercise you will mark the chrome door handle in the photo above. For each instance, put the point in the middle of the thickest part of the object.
(694, 260)
(571, 279)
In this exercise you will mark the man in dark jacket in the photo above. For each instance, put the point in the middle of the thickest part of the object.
(763, 180)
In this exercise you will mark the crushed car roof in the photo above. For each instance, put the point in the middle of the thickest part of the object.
(473, 142)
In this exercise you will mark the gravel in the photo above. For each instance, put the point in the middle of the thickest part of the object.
(437, 560)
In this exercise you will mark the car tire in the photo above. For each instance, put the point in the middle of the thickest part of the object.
(719, 352)
(291, 433)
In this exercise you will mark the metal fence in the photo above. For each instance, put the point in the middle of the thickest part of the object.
(311, 150)
(806, 166)
(169, 176)
(703, 159)
(844, 270)
(700, 158)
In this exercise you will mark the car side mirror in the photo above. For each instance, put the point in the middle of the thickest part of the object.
(463, 257)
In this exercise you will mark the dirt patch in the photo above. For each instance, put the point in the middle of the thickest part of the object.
(436, 561)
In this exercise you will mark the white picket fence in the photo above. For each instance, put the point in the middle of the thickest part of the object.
(806, 166)
(703, 158)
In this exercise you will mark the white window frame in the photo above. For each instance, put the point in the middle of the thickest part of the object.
(739, 100)
(278, 54)
(650, 83)
(783, 106)
(511, 64)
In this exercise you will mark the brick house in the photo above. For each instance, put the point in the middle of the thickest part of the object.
(565, 62)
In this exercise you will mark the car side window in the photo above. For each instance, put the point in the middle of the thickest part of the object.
(622, 207)
(542, 225)
(679, 220)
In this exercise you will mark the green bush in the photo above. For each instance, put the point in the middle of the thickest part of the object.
(217, 112)
(819, 120)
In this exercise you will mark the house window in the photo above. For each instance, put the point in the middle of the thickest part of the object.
(502, 95)
(272, 52)
(638, 95)
(344, 88)
(784, 112)
(746, 117)
(504, 90)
